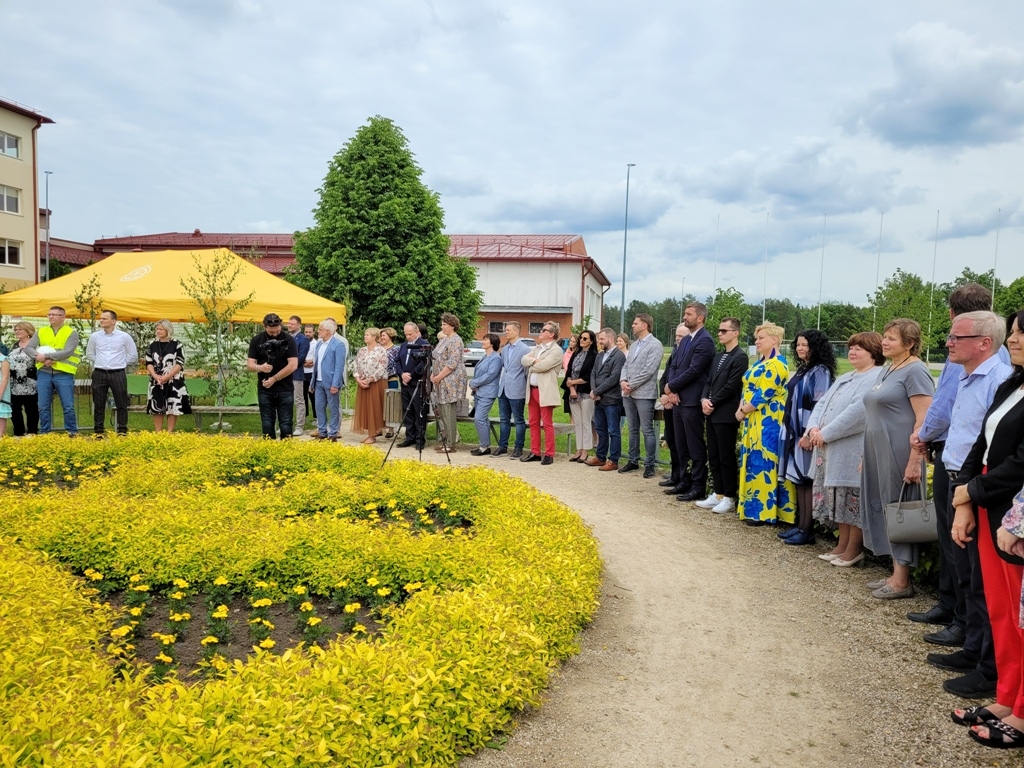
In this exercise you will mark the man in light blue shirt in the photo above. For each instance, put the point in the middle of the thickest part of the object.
(512, 392)
(974, 341)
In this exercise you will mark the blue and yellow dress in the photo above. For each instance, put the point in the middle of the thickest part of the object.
(764, 387)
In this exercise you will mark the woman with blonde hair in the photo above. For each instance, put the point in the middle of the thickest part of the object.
(371, 370)
(165, 361)
(24, 395)
(760, 415)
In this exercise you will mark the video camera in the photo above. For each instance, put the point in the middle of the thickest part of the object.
(271, 348)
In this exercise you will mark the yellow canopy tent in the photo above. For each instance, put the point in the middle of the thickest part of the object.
(146, 285)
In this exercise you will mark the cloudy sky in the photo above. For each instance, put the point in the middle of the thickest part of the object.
(786, 126)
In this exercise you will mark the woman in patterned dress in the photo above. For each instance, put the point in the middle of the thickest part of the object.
(815, 372)
(24, 395)
(165, 361)
(5, 393)
(760, 414)
(371, 367)
(836, 430)
(449, 380)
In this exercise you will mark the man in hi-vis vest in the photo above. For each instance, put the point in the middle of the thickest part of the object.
(56, 362)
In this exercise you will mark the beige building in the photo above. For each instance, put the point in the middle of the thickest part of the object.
(20, 227)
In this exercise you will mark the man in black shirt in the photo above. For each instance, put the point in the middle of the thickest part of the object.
(273, 356)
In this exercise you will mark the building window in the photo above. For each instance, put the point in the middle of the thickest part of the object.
(9, 145)
(9, 199)
(496, 327)
(10, 252)
(536, 328)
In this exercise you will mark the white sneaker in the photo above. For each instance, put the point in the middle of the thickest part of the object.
(298, 431)
(725, 505)
(709, 502)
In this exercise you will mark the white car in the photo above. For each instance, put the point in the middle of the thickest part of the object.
(473, 353)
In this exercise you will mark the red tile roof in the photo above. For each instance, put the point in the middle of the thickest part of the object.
(239, 242)
(74, 256)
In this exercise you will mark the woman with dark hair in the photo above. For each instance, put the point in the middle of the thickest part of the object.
(571, 347)
(486, 377)
(836, 430)
(983, 497)
(577, 388)
(449, 381)
(815, 372)
(895, 408)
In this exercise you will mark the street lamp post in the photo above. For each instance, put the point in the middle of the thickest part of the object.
(625, 235)
(46, 271)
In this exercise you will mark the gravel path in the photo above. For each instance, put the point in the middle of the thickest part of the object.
(716, 645)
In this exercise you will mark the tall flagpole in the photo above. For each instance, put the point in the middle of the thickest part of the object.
(995, 261)
(931, 292)
(878, 268)
(764, 296)
(625, 234)
(821, 274)
(714, 275)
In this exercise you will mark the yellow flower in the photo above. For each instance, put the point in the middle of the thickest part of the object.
(180, 583)
(178, 596)
(372, 582)
(121, 632)
(369, 507)
(352, 607)
(185, 616)
(313, 621)
(164, 658)
(263, 602)
(134, 579)
(209, 640)
(140, 588)
(392, 503)
(267, 644)
(267, 624)
(219, 663)
(383, 591)
(220, 581)
(359, 628)
(220, 613)
(413, 586)
(341, 584)
(137, 611)
(306, 607)
(299, 590)
(260, 585)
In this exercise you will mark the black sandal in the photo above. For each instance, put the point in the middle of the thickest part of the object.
(998, 732)
(973, 716)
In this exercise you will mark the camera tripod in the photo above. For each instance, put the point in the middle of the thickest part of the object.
(426, 386)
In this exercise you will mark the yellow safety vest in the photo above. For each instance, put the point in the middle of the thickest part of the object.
(47, 338)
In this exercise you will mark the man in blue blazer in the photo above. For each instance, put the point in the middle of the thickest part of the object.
(328, 370)
(690, 363)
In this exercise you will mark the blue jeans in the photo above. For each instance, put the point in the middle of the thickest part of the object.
(64, 385)
(509, 410)
(324, 401)
(609, 438)
(482, 420)
(276, 405)
(640, 417)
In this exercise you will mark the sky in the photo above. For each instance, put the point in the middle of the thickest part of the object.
(835, 141)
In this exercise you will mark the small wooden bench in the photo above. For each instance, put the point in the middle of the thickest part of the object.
(199, 410)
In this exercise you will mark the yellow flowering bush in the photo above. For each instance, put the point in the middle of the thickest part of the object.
(479, 582)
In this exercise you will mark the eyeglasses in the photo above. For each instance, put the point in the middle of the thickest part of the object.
(954, 339)
(546, 330)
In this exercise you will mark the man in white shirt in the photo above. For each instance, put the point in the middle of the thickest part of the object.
(111, 352)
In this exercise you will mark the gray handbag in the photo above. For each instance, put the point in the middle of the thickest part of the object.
(911, 522)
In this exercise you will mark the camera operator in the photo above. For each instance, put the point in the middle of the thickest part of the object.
(413, 362)
(273, 356)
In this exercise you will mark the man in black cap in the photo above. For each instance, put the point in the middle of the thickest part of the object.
(273, 356)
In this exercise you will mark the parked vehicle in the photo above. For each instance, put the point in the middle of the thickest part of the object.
(473, 353)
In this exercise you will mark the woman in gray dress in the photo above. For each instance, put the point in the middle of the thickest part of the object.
(836, 430)
(895, 407)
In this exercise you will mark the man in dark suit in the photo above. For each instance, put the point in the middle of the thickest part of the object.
(412, 362)
(680, 474)
(684, 389)
(604, 390)
(719, 401)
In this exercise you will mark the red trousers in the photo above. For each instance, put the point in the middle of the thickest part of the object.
(1002, 594)
(541, 414)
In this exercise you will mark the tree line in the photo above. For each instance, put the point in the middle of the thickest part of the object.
(903, 294)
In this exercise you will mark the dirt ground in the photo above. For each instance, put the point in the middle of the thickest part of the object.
(717, 645)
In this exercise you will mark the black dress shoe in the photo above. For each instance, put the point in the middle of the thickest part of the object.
(934, 615)
(755, 523)
(547, 460)
(499, 452)
(973, 685)
(516, 454)
(691, 495)
(958, 661)
(629, 466)
(669, 483)
(530, 457)
(478, 452)
(403, 444)
(951, 636)
(648, 472)
(676, 490)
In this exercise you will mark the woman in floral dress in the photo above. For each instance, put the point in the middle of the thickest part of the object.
(165, 361)
(760, 414)
(24, 395)
(449, 380)
(371, 368)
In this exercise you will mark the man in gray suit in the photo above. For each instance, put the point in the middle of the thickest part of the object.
(639, 384)
(607, 397)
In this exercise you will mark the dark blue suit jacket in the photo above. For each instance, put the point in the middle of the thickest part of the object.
(409, 364)
(688, 367)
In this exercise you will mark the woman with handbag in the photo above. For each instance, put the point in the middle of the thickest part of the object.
(894, 408)
(987, 484)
